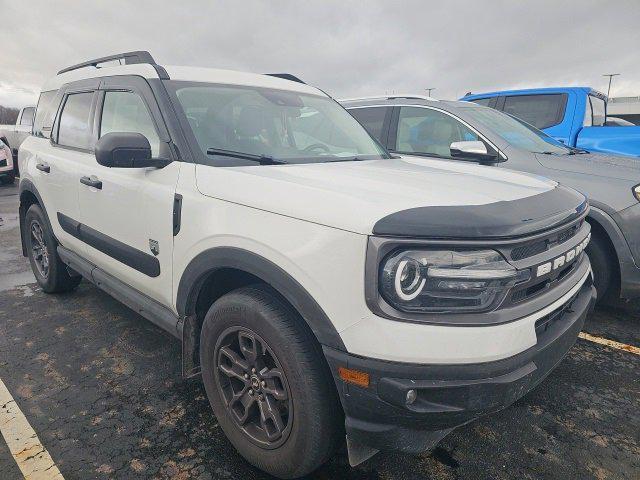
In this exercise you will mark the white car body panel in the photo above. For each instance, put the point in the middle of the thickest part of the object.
(352, 196)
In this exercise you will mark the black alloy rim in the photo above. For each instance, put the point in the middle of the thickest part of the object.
(253, 387)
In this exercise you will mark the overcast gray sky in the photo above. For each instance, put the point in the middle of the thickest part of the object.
(347, 48)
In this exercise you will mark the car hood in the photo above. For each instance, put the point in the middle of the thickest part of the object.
(602, 165)
(356, 195)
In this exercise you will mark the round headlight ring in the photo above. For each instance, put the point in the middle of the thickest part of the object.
(408, 279)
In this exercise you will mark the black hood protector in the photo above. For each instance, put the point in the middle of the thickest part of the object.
(499, 220)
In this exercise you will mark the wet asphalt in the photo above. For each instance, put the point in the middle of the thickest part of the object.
(102, 389)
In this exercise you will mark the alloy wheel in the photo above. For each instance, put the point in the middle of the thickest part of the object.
(253, 387)
(39, 249)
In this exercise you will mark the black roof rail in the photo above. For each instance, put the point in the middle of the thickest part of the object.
(139, 56)
(286, 76)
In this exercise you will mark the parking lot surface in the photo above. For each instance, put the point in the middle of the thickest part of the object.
(101, 388)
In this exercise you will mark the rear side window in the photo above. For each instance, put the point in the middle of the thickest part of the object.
(371, 118)
(74, 130)
(541, 111)
(27, 116)
(482, 101)
(126, 112)
(45, 113)
(599, 113)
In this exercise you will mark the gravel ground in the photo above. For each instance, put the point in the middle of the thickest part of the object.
(102, 388)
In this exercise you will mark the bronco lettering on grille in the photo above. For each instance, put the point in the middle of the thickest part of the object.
(562, 259)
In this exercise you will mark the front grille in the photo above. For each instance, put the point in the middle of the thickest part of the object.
(542, 245)
(529, 250)
(534, 287)
(530, 253)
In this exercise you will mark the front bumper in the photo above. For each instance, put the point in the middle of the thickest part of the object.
(449, 395)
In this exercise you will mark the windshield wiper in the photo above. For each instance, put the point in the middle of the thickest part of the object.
(261, 159)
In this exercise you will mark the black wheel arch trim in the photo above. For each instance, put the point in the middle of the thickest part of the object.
(28, 186)
(219, 258)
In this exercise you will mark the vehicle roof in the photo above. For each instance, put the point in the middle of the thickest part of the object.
(194, 74)
(400, 100)
(526, 91)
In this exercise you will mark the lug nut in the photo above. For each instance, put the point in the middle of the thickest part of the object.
(246, 375)
(250, 391)
(253, 370)
(412, 395)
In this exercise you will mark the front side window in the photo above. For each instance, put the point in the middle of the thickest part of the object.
(516, 132)
(45, 113)
(288, 126)
(127, 112)
(74, 130)
(598, 107)
(27, 116)
(371, 118)
(424, 130)
(541, 111)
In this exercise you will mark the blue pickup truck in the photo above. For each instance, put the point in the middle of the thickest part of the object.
(575, 116)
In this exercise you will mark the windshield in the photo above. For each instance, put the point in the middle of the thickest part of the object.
(258, 123)
(516, 132)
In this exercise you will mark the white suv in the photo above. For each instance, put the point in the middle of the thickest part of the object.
(321, 287)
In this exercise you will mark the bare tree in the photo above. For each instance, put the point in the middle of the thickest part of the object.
(8, 115)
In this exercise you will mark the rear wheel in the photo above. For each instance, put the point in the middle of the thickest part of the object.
(603, 263)
(50, 272)
(268, 384)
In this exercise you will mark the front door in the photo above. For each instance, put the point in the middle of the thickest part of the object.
(128, 212)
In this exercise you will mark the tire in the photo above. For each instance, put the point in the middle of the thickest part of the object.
(50, 272)
(311, 421)
(603, 264)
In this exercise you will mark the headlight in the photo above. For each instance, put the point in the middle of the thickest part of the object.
(636, 192)
(421, 281)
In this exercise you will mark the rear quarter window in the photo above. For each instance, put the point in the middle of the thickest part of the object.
(45, 113)
(541, 111)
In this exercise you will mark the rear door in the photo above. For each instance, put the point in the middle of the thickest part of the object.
(128, 212)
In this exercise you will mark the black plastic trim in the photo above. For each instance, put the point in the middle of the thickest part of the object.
(27, 186)
(214, 259)
(177, 213)
(448, 395)
(139, 56)
(286, 76)
(132, 298)
(498, 220)
(132, 257)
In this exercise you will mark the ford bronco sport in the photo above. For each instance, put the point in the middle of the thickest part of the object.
(323, 289)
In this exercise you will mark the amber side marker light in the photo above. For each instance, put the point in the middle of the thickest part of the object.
(354, 376)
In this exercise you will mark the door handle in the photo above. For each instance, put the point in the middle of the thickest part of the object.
(43, 167)
(91, 182)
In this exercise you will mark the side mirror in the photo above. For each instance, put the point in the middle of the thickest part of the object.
(475, 151)
(126, 150)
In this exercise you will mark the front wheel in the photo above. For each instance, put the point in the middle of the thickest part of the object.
(50, 272)
(268, 384)
(603, 264)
